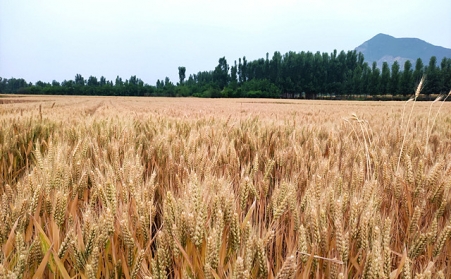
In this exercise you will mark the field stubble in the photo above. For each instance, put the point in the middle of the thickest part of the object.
(195, 188)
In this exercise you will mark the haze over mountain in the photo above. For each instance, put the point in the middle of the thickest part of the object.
(385, 48)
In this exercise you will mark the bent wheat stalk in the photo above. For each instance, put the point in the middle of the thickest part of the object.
(417, 93)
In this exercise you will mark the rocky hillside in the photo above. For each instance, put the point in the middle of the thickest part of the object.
(384, 48)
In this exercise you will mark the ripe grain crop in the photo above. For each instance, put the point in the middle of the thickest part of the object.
(95, 187)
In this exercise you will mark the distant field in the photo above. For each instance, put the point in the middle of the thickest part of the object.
(121, 187)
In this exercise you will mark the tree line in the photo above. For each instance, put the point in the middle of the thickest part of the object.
(292, 75)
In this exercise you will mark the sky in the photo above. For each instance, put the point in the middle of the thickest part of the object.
(56, 39)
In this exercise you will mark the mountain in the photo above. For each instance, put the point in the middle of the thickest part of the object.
(384, 48)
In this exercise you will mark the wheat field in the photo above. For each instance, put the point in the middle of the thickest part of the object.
(94, 187)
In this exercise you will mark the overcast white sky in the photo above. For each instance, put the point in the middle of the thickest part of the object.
(56, 39)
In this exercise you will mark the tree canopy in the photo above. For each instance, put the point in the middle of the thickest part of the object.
(291, 75)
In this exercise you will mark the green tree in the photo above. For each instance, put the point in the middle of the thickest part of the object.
(92, 81)
(182, 75)
(169, 88)
(385, 79)
(79, 80)
(133, 80)
(335, 74)
(102, 81)
(419, 71)
(132, 86)
(374, 87)
(68, 87)
(267, 65)
(433, 82)
(406, 82)
(118, 82)
(38, 84)
(445, 74)
(352, 59)
(275, 67)
(308, 79)
(160, 84)
(182, 91)
(395, 78)
(221, 73)
(356, 83)
(79, 85)
(319, 76)
(233, 73)
(242, 70)
(365, 80)
(326, 68)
